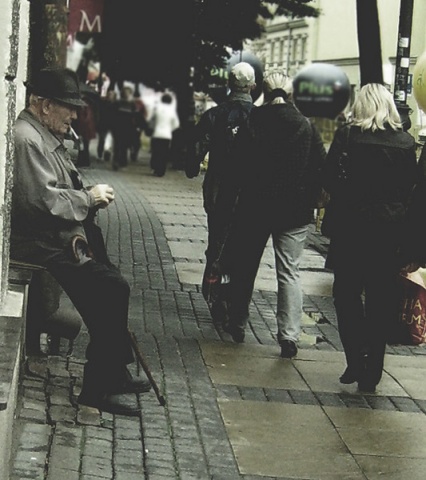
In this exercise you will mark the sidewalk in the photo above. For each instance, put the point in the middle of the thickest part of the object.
(233, 411)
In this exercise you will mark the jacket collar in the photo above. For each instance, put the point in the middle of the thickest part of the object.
(240, 96)
(51, 141)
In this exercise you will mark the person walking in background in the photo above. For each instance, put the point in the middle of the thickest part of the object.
(216, 134)
(85, 123)
(366, 225)
(140, 125)
(105, 125)
(124, 127)
(52, 225)
(164, 122)
(278, 197)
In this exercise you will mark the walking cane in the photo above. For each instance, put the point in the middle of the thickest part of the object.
(144, 365)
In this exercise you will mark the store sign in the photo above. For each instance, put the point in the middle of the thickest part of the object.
(85, 16)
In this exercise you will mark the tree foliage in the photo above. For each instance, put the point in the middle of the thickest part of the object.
(158, 41)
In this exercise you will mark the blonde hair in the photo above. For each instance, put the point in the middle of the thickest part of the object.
(278, 82)
(374, 107)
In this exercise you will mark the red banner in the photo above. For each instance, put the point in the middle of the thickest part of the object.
(85, 16)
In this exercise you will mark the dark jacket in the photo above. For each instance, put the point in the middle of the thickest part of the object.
(217, 133)
(381, 172)
(414, 240)
(283, 170)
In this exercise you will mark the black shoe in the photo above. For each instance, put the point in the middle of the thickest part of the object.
(115, 404)
(237, 333)
(288, 349)
(130, 384)
(366, 387)
(349, 376)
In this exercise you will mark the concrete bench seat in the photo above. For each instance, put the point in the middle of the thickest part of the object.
(49, 311)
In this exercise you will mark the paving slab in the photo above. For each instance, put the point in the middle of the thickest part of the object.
(392, 468)
(194, 251)
(234, 412)
(295, 441)
(371, 432)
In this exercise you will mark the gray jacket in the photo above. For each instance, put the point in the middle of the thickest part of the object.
(49, 203)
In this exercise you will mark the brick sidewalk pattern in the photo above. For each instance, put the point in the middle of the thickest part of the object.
(186, 439)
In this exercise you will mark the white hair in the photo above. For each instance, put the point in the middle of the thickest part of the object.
(374, 107)
(277, 82)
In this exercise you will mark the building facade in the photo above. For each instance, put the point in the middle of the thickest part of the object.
(291, 44)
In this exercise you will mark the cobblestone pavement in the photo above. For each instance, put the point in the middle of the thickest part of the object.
(154, 230)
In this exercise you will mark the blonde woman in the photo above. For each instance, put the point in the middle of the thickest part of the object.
(367, 227)
(285, 153)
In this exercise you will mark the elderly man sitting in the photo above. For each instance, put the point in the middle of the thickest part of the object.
(52, 225)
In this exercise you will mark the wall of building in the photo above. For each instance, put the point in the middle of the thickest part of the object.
(333, 38)
(14, 19)
(334, 32)
(14, 34)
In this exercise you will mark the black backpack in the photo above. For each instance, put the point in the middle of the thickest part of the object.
(229, 129)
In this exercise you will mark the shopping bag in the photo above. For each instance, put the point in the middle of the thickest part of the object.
(412, 315)
(211, 284)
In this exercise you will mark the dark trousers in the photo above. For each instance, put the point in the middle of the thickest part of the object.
(121, 148)
(366, 294)
(160, 155)
(245, 248)
(101, 142)
(101, 295)
(219, 225)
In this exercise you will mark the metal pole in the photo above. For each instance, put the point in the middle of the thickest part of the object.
(402, 65)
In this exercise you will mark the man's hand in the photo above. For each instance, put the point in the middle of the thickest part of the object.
(103, 195)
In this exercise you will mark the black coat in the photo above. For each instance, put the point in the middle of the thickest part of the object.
(414, 241)
(381, 171)
(368, 211)
(285, 154)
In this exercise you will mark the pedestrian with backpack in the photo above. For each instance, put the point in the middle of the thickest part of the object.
(277, 198)
(217, 134)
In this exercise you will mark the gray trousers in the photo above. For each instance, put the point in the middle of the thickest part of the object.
(288, 247)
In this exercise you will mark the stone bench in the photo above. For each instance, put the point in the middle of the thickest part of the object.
(49, 311)
(33, 304)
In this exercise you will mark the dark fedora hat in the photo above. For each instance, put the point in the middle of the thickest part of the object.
(59, 84)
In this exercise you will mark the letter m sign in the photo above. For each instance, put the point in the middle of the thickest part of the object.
(85, 16)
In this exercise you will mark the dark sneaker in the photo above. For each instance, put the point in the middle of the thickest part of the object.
(130, 384)
(366, 387)
(288, 349)
(349, 376)
(115, 404)
(237, 333)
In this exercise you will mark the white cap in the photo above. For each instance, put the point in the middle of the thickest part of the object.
(244, 75)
